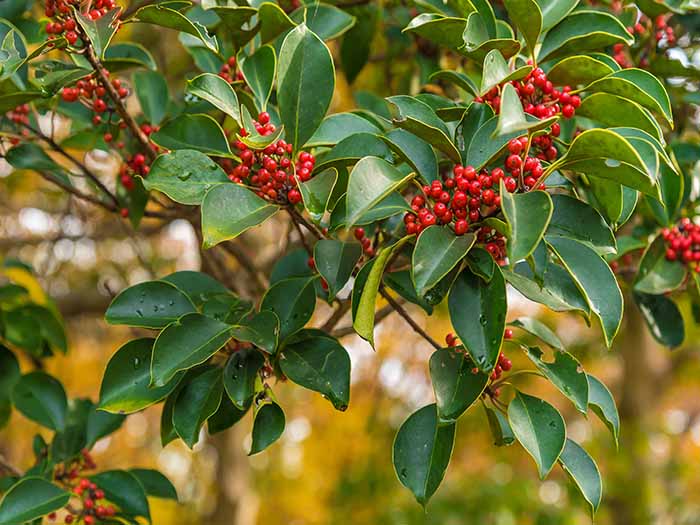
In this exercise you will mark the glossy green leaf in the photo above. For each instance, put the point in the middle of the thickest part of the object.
(268, 426)
(596, 281)
(163, 16)
(218, 92)
(554, 11)
(437, 251)
(371, 180)
(582, 469)
(230, 209)
(614, 111)
(539, 428)
(273, 21)
(574, 219)
(124, 490)
(190, 341)
(152, 91)
(538, 329)
(305, 83)
(31, 498)
(339, 126)
(126, 380)
(184, 175)
(419, 118)
(363, 314)
(478, 314)
(151, 304)
(455, 384)
(319, 362)
(197, 285)
(326, 20)
(484, 146)
(512, 117)
(9, 375)
(583, 31)
(261, 329)
(198, 132)
(126, 55)
(455, 77)
(198, 399)
(500, 428)
(335, 261)
(565, 373)
(663, 318)
(402, 284)
(656, 274)
(578, 70)
(317, 191)
(154, 483)
(415, 152)
(602, 403)
(527, 215)
(293, 300)
(352, 149)
(99, 32)
(443, 30)
(41, 398)
(240, 374)
(259, 71)
(528, 19)
(226, 416)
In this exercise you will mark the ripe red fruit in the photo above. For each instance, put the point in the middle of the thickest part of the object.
(461, 227)
(508, 334)
(124, 212)
(72, 37)
(515, 147)
(108, 137)
(568, 111)
(294, 196)
(100, 106)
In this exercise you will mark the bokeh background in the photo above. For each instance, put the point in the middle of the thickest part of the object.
(335, 468)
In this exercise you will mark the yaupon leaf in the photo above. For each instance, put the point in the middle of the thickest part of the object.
(335, 261)
(319, 362)
(259, 71)
(41, 398)
(437, 251)
(305, 83)
(199, 132)
(478, 314)
(294, 301)
(268, 426)
(574, 219)
(31, 498)
(539, 428)
(663, 318)
(126, 380)
(584, 472)
(455, 385)
(184, 175)
(240, 374)
(601, 401)
(422, 451)
(596, 281)
(197, 400)
(527, 215)
(151, 304)
(230, 209)
(188, 342)
(657, 275)
(565, 373)
(218, 92)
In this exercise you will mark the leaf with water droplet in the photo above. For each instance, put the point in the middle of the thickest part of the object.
(152, 311)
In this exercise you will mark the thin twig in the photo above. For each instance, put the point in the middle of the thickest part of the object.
(407, 317)
(381, 314)
(7, 467)
(295, 221)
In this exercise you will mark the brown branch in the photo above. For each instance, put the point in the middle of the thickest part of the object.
(337, 315)
(298, 218)
(295, 220)
(7, 467)
(407, 317)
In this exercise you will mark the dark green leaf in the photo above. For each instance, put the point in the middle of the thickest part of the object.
(574, 219)
(584, 472)
(198, 399)
(155, 483)
(415, 152)
(240, 374)
(437, 251)
(197, 285)
(500, 428)
(455, 384)
(528, 216)
(538, 329)
(335, 261)
(29, 499)
(663, 318)
(218, 92)
(602, 403)
(339, 126)
(163, 16)
(41, 398)
(656, 274)
(152, 92)
(565, 373)
(151, 304)
(259, 71)
(199, 132)
(294, 301)
(268, 426)
(124, 490)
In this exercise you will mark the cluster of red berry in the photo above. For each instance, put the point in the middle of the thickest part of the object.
(683, 243)
(271, 170)
(229, 71)
(63, 22)
(91, 93)
(366, 242)
(20, 116)
(663, 36)
(135, 165)
(89, 494)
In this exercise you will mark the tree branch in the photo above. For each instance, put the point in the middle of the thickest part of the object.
(407, 317)
(7, 467)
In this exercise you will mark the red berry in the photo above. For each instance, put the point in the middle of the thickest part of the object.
(124, 212)
(99, 106)
(359, 233)
(294, 196)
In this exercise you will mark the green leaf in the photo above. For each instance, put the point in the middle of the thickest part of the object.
(197, 285)
(580, 466)
(151, 304)
(240, 374)
(402, 284)
(478, 314)
(230, 209)
(574, 219)
(187, 342)
(125, 55)
(479, 41)
(259, 72)
(233, 20)
(656, 274)
(99, 32)
(415, 152)
(484, 146)
(320, 363)
(184, 175)
(539, 428)
(198, 132)
(217, 92)
(196, 402)
(339, 126)
(154, 483)
(565, 373)
(554, 11)
(261, 329)
(268, 426)
(613, 111)
(500, 428)
(41, 398)
(417, 117)
(31, 498)
(455, 77)
(596, 281)
(335, 261)
(326, 20)
(226, 416)
(527, 17)
(125, 382)
(124, 490)
(606, 154)
(294, 301)
(638, 85)
(538, 329)
(663, 318)
(422, 451)
(437, 251)
(101, 424)
(363, 314)
(443, 30)
(352, 149)
(305, 83)
(583, 31)
(273, 21)
(528, 216)
(578, 70)
(9, 375)
(602, 403)
(160, 15)
(512, 117)
(317, 191)
(455, 384)
(371, 180)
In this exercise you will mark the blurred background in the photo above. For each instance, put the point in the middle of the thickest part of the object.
(335, 468)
